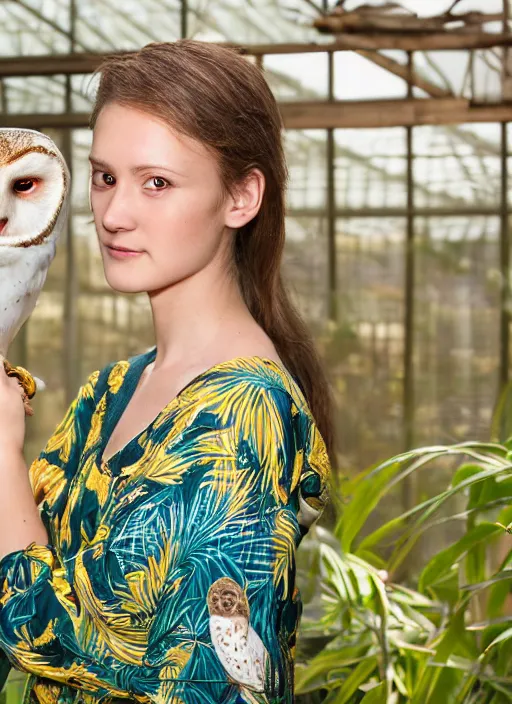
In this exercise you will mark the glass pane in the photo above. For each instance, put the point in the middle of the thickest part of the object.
(106, 26)
(487, 75)
(358, 78)
(365, 348)
(305, 255)
(305, 267)
(371, 168)
(307, 167)
(250, 22)
(509, 138)
(34, 29)
(456, 328)
(445, 69)
(457, 167)
(297, 76)
(35, 94)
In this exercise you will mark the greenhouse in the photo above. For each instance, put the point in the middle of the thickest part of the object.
(397, 124)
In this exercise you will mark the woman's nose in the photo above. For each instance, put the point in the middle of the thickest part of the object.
(118, 214)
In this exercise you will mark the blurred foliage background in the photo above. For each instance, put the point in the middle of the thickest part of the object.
(398, 256)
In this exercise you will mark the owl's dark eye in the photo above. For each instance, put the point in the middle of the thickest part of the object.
(22, 185)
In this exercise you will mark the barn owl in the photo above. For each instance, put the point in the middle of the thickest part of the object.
(238, 646)
(34, 187)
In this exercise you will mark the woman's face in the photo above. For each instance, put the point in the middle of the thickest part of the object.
(157, 193)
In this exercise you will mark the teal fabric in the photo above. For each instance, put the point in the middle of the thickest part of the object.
(169, 575)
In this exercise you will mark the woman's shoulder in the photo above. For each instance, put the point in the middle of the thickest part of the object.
(247, 381)
(263, 409)
(263, 403)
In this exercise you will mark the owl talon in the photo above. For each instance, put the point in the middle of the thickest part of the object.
(26, 381)
(29, 411)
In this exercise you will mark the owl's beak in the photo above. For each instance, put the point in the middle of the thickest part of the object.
(3, 223)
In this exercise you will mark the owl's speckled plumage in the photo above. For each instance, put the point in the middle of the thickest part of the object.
(238, 646)
(30, 223)
(12, 142)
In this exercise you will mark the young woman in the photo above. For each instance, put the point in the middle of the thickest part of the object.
(160, 566)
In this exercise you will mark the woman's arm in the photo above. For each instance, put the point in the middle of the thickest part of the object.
(20, 522)
(23, 489)
(30, 569)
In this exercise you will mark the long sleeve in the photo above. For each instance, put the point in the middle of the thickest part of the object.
(51, 472)
(34, 627)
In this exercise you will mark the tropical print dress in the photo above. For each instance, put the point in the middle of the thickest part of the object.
(169, 575)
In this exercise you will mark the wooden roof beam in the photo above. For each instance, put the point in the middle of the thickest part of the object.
(336, 114)
(443, 41)
(86, 62)
(394, 19)
(390, 113)
(402, 70)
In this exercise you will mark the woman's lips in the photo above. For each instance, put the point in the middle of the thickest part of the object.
(121, 253)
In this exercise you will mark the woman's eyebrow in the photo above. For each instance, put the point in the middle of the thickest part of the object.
(134, 169)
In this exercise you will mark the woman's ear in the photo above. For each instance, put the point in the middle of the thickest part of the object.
(246, 200)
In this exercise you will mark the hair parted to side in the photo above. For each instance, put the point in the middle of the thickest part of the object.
(217, 97)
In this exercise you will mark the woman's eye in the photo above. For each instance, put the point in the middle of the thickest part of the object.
(24, 185)
(102, 178)
(158, 183)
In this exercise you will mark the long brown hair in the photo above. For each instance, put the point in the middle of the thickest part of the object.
(216, 96)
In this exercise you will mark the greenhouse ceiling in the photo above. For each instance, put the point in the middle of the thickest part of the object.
(49, 48)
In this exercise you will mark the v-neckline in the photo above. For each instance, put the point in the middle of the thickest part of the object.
(130, 382)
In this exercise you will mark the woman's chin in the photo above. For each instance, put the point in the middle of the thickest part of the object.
(124, 282)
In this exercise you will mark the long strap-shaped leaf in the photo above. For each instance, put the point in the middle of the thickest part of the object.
(5, 668)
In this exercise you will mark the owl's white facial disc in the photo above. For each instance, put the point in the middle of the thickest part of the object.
(33, 187)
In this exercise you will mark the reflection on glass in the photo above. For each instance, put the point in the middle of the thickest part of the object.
(269, 21)
(456, 167)
(449, 70)
(305, 263)
(456, 328)
(34, 94)
(307, 166)
(297, 76)
(370, 168)
(357, 77)
(365, 347)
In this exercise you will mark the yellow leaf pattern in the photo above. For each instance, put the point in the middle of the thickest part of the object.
(222, 484)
